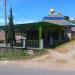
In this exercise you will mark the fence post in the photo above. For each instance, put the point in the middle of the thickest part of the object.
(41, 47)
(9, 45)
(24, 42)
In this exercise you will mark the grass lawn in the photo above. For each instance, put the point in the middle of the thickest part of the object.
(20, 55)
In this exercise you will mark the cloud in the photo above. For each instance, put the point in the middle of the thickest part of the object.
(18, 22)
(25, 21)
(71, 18)
(1, 21)
(1, 15)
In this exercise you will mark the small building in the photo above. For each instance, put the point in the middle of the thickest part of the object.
(73, 32)
(2, 35)
(50, 32)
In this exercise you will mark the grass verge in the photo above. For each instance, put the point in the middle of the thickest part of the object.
(20, 55)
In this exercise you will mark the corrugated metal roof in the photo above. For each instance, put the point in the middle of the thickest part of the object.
(57, 20)
(53, 18)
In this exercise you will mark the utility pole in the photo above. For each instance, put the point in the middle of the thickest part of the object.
(5, 12)
(5, 15)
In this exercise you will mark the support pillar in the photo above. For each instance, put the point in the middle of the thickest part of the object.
(41, 41)
(59, 36)
(40, 38)
(24, 43)
(51, 40)
(24, 40)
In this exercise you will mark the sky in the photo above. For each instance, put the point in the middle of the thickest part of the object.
(27, 11)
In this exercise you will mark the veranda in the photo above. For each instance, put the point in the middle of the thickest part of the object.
(42, 34)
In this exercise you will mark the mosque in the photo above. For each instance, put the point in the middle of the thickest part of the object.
(48, 33)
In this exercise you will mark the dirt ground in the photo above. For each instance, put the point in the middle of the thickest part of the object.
(63, 57)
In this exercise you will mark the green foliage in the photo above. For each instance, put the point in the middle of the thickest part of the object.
(20, 54)
(73, 21)
(59, 14)
(13, 55)
(67, 18)
(10, 38)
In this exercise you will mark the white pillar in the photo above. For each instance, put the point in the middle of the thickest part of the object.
(69, 36)
(9, 45)
(41, 43)
(24, 43)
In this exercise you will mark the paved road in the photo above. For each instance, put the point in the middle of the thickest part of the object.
(20, 70)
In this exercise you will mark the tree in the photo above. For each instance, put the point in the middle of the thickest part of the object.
(67, 18)
(6, 31)
(10, 30)
(73, 21)
(59, 14)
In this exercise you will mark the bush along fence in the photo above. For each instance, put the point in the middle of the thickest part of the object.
(8, 53)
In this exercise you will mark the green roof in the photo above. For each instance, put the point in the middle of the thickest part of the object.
(24, 27)
(36, 24)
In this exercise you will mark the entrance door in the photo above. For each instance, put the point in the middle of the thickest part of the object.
(46, 39)
(46, 43)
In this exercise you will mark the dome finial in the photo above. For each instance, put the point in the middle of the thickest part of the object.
(52, 11)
